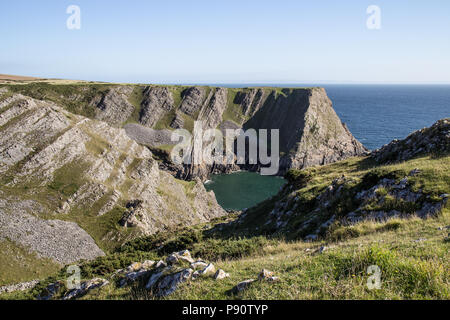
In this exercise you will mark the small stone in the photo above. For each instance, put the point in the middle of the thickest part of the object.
(172, 259)
(322, 249)
(241, 286)
(161, 264)
(195, 275)
(208, 269)
(198, 265)
(265, 274)
(135, 266)
(181, 255)
(185, 255)
(147, 264)
(220, 274)
(273, 279)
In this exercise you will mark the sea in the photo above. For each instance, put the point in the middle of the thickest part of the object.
(375, 114)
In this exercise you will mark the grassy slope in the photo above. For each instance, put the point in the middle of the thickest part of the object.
(409, 269)
(21, 265)
(434, 180)
(411, 253)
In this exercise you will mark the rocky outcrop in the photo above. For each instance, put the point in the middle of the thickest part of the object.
(163, 278)
(192, 100)
(63, 175)
(311, 133)
(85, 288)
(114, 107)
(435, 139)
(157, 102)
(19, 286)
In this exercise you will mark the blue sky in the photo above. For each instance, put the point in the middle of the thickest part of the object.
(247, 41)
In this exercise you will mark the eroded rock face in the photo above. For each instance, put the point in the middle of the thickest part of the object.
(192, 100)
(435, 139)
(157, 102)
(311, 133)
(65, 164)
(114, 107)
(85, 287)
(211, 115)
(250, 100)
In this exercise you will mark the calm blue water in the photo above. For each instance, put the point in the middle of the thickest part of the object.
(375, 114)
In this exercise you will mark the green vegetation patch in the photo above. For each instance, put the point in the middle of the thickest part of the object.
(69, 178)
(19, 264)
(136, 98)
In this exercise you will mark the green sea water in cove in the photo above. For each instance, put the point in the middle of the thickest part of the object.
(243, 189)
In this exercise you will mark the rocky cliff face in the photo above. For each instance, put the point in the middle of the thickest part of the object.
(310, 131)
(72, 187)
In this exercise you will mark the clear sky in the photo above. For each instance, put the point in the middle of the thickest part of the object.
(228, 41)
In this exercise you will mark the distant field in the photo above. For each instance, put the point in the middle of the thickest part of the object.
(8, 77)
(13, 79)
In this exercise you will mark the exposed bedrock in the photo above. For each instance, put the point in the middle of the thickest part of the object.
(64, 174)
(311, 133)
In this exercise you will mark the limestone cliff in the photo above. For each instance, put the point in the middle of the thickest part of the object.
(72, 187)
(310, 131)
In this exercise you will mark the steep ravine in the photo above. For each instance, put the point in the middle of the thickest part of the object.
(85, 167)
(72, 187)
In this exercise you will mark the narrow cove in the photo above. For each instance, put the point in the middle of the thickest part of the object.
(240, 190)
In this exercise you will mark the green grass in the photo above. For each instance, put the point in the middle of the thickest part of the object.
(234, 111)
(69, 178)
(165, 121)
(409, 269)
(135, 99)
(75, 98)
(360, 174)
(22, 265)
